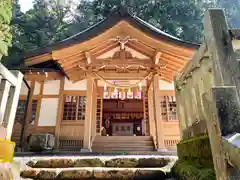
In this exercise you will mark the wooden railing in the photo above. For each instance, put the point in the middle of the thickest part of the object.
(171, 143)
(70, 145)
(10, 87)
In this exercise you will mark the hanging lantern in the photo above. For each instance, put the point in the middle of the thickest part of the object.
(129, 94)
(105, 92)
(105, 87)
(122, 95)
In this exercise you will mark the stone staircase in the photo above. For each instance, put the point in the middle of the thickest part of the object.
(109, 144)
(96, 167)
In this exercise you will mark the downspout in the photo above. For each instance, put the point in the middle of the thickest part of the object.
(25, 113)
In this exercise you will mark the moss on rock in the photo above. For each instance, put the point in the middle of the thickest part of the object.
(196, 150)
(195, 160)
(88, 163)
(185, 170)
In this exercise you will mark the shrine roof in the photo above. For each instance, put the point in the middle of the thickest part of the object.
(107, 23)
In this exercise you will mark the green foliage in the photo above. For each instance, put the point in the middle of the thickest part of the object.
(195, 160)
(196, 150)
(185, 170)
(232, 9)
(5, 19)
(180, 18)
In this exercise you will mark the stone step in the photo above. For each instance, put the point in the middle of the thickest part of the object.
(122, 141)
(124, 138)
(126, 162)
(97, 145)
(95, 173)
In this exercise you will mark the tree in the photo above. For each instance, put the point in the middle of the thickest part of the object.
(182, 18)
(39, 27)
(5, 19)
(232, 9)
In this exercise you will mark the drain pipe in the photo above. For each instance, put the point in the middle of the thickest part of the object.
(25, 113)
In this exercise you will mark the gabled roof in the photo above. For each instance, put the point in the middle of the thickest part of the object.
(107, 23)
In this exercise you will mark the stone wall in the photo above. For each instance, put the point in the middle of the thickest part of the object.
(195, 79)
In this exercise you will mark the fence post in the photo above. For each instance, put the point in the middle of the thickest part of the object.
(4, 90)
(12, 104)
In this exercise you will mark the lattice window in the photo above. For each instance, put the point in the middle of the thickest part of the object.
(98, 115)
(74, 107)
(20, 113)
(169, 108)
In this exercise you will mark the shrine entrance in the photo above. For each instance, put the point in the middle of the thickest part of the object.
(123, 113)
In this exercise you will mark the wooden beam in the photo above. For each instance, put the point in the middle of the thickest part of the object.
(123, 62)
(175, 59)
(145, 50)
(123, 76)
(72, 61)
(88, 57)
(157, 56)
(60, 112)
(172, 63)
(7, 75)
(103, 49)
(34, 76)
(38, 59)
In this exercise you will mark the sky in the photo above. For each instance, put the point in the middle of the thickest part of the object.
(25, 4)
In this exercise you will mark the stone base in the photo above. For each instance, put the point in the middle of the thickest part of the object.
(86, 150)
(162, 150)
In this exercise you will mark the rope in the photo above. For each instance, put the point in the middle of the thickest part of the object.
(123, 87)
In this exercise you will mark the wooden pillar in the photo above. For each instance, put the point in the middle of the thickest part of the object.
(89, 115)
(28, 116)
(12, 104)
(60, 113)
(94, 110)
(158, 114)
(151, 111)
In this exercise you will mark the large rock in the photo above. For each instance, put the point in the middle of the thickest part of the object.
(41, 142)
(29, 174)
(153, 162)
(46, 175)
(120, 162)
(150, 174)
(75, 174)
(52, 163)
(88, 163)
(105, 174)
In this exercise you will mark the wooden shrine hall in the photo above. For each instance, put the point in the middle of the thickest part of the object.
(112, 81)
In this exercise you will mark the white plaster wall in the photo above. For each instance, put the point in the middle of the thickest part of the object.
(48, 112)
(163, 85)
(51, 87)
(37, 88)
(24, 89)
(80, 85)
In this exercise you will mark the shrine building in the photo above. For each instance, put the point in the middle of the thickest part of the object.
(111, 83)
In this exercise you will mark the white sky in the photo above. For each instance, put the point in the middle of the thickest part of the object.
(25, 4)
